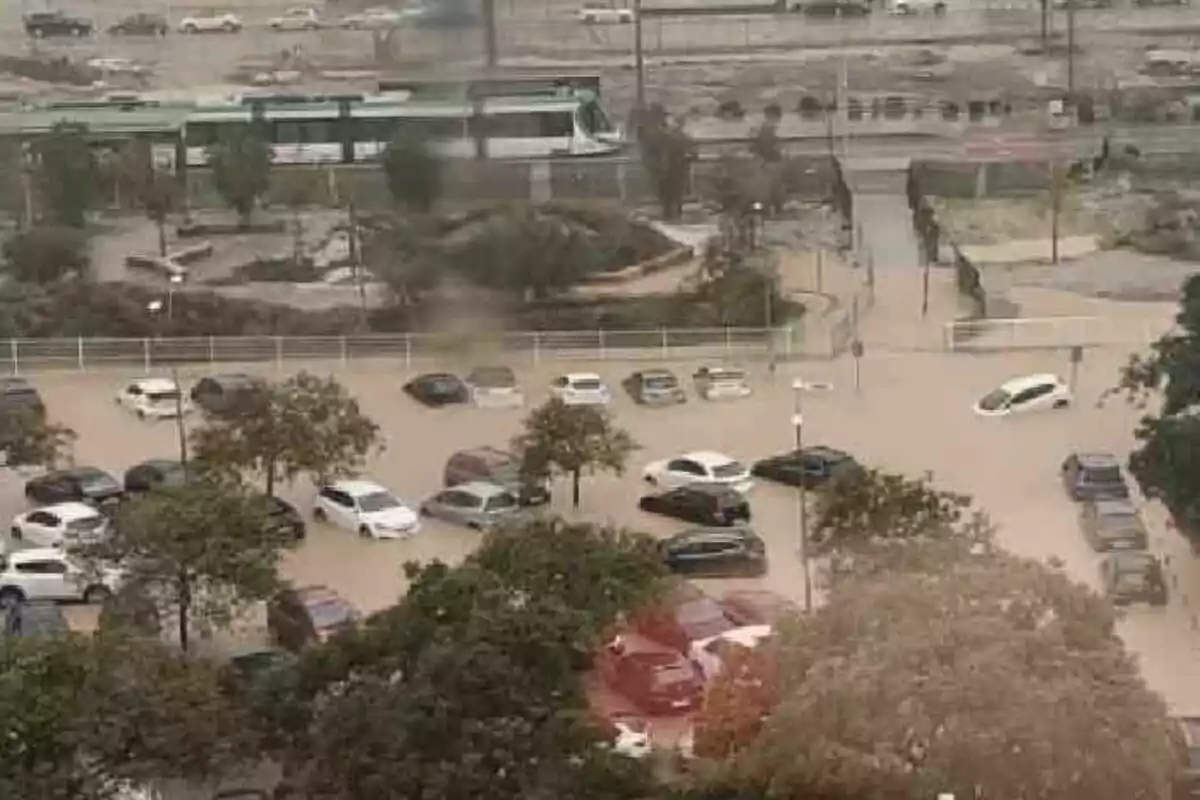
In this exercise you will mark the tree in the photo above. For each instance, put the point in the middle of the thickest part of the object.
(403, 253)
(298, 189)
(414, 174)
(46, 255)
(765, 143)
(85, 714)
(305, 425)
(65, 174)
(737, 703)
(27, 438)
(570, 439)
(241, 169)
(1166, 463)
(156, 191)
(915, 683)
(202, 548)
(667, 155)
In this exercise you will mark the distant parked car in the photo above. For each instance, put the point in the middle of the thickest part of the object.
(299, 617)
(474, 505)
(721, 383)
(595, 12)
(704, 504)
(715, 552)
(1093, 476)
(282, 515)
(685, 614)
(228, 392)
(18, 394)
(153, 473)
(493, 465)
(373, 19)
(756, 606)
(905, 8)
(1112, 525)
(44, 24)
(832, 8)
(654, 387)
(1130, 576)
(117, 65)
(495, 387)
(810, 468)
(1027, 393)
(83, 484)
(367, 508)
(46, 573)
(1146, 3)
(436, 389)
(59, 524)
(580, 389)
(210, 22)
(699, 466)
(303, 18)
(656, 678)
(153, 398)
(140, 24)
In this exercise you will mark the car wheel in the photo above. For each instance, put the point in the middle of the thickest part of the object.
(364, 531)
(141, 415)
(15, 532)
(96, 594)
(229, 27)
(1062, 403)
(650, 479)
(11, 596)
(188, 29)
(939, 10)
(319, 514)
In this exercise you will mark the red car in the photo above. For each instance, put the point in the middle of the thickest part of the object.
(655, 678)
(756, 607)
(684, 616)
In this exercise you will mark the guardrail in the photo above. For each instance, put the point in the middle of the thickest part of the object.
(25, 355)
(1031, 333)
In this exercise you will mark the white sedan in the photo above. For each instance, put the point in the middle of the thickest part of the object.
(708, 654)
(581, 389)
(702, 466)
(210, 23)
(296, 19)
(153, 398)
(53, 525)
(1027, 393)
(375, 19)
(366, 508)
(593, 13)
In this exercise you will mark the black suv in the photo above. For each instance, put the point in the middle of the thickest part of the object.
(41, 24)
(1093, 476)
(702, 503)
(715, 552)
(229, 393)
(811, 467)
(77, 484)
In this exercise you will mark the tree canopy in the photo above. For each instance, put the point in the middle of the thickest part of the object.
(46, 255)
(667, 155)
(65, 175)
(413, 172)
(28, 438)
(241, 169)
(202, 549)
(305, 425)
(571, 439)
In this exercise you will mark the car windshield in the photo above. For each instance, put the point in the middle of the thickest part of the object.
(1103, 475)
(660, 382)
(443, 384)
(95, 481)
(730, 469)
(85, 524)
(501, 502)
(670, 675)
(727, 376)
(168, 396)
(330, 613)
(994, 401)
(494, 378)
(377, 501)
(586, 384)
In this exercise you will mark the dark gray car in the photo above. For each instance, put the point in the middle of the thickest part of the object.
(1093, 476)
(654, 387)
(475, 505)
(1112, 525)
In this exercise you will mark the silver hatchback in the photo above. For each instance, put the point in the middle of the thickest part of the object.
(476, 505)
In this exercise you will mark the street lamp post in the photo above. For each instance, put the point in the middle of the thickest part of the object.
(175, 280)
(799, 388)
(156, 308)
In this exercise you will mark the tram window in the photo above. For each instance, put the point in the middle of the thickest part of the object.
(202, 134)
(432, 128)
(593, 119)
(373, 130)
(531, 126)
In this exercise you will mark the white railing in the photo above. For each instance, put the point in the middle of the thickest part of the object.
(25, 355)
(1050, 332)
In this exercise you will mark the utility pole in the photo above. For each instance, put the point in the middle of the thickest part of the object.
(1071, 52)
(639, 60)
(801, 501)
(491, 56)
(356, 262)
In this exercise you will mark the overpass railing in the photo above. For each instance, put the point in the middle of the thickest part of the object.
(1031, 333)
(404, 349)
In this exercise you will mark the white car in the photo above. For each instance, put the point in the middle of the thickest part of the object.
(117, 66)
(45, 573)
(374, 19)
(707, 654)
(367, 508)
(904, 8)
(721, 383)
(702, 466)
(1027, 393)
(495, 387)
(581, 389)
(53, 525)
(630, 735)
(296, 19)
(153, 398)
(593, 13)
(211, 22)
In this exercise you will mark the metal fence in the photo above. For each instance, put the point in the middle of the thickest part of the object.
(25, 355)
(979, 335)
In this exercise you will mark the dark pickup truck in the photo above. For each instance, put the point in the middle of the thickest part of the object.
(41, 24)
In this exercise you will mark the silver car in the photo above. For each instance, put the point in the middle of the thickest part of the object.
(720, 383)
(476, 505)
